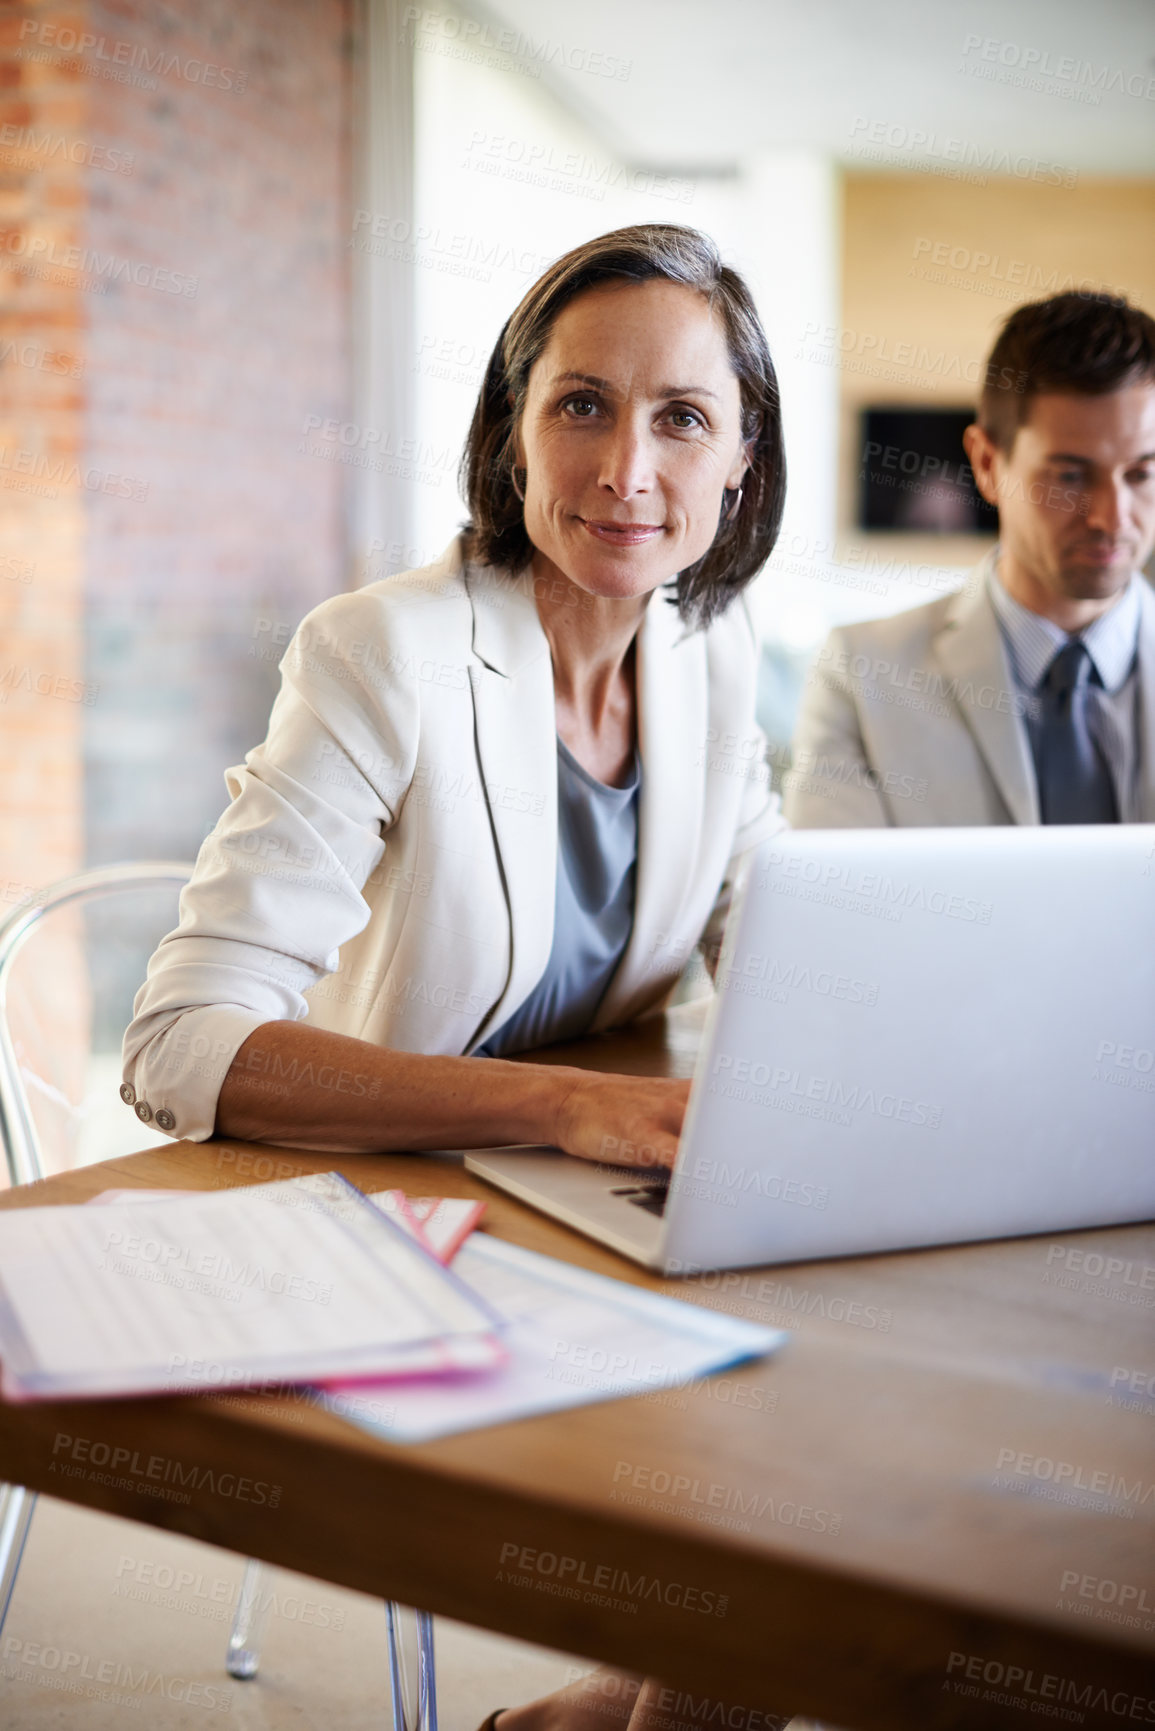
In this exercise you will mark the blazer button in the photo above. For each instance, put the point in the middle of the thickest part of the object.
(143, 1111)
(165, 1119)
(128, 1093)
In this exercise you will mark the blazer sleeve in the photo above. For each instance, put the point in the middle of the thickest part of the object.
(831, 784)
(277, 885)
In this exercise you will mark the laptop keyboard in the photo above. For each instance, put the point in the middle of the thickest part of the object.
(651, 1197)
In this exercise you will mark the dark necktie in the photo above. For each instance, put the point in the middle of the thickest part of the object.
(1075, 783)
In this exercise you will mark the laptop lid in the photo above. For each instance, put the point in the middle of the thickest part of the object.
(924, 1037)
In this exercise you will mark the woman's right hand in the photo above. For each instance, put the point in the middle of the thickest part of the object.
(621, 1120)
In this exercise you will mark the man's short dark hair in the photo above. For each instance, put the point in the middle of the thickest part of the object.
(1073, 344)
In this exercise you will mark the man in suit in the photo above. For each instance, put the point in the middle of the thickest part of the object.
(1028, 696)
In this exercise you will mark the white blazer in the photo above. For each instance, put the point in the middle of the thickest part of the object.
(387, 866)
(916, 721)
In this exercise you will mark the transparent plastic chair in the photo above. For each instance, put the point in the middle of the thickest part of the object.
(65, 1000)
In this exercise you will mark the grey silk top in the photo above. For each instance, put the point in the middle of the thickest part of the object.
(597, 851)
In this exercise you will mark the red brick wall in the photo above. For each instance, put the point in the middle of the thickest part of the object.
(42, 430)
(174, 212)
(208, 318)
(240, 191)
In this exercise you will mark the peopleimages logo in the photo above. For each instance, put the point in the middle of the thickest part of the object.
(827, 1090)
(1031, 65)
(1068, 1481)
(715, 1181)
(769, 972)
(871, 886)
(116, 58)
(77, 1457)
(57, 147)
(1107, 1592)
(98, 267)
(601, 1583)
(212, 1272)
(947, 152)
(424, 27)
(715, 1503)
(1020, 1683)
(70, 1672)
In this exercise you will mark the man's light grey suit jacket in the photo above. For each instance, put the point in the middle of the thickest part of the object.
(915, 721)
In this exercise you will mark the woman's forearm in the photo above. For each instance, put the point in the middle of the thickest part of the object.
(304, 1087)
(301, 1087)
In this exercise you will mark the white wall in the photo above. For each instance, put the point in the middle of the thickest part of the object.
(508, 178)
(779, 224)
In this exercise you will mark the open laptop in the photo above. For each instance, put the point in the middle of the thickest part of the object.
(919, 1037)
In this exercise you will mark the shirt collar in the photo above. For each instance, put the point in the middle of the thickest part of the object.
(1111, 641)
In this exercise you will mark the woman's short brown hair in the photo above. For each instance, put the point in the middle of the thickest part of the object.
(496, 530)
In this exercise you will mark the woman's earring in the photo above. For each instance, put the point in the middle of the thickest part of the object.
(735, 505)
(518, 487)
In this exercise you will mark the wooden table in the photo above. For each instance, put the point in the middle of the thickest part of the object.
(935, 1507)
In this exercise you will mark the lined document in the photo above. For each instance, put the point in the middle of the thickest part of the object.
(571, 1338)
(298, 1281)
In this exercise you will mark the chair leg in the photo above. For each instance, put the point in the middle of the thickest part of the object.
(412, 1675)
(16, 1506)
(244, 1652)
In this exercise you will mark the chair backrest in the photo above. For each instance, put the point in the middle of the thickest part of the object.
(71, 960)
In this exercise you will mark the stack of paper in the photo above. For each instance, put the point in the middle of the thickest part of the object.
(311, 1282)
(571, 1338)
(290, 1282)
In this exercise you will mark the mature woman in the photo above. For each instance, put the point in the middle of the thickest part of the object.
(502, 798)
